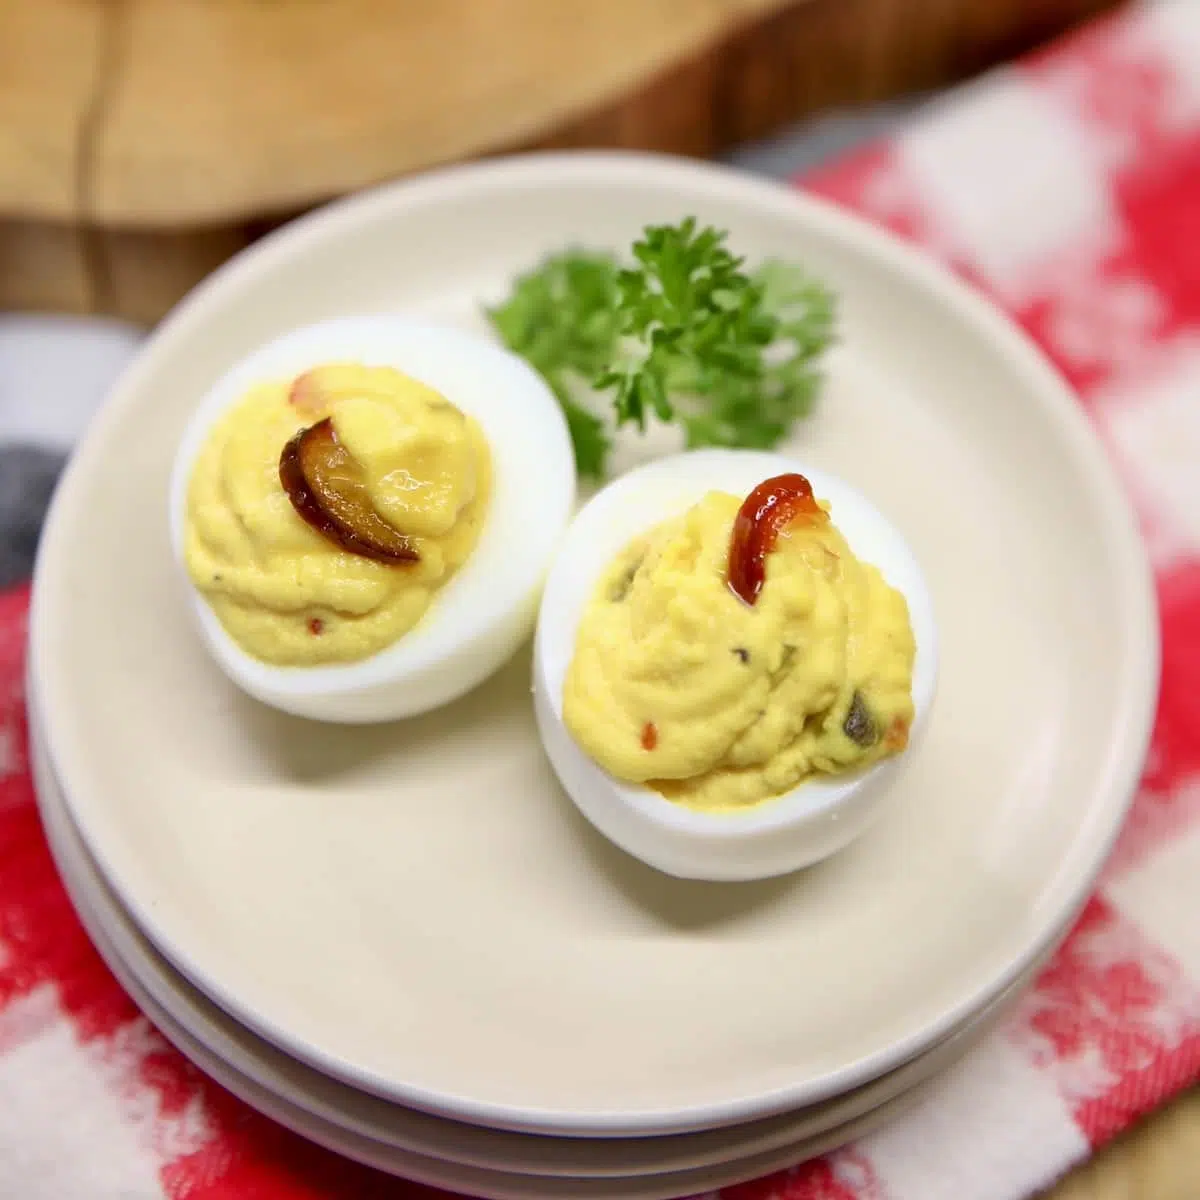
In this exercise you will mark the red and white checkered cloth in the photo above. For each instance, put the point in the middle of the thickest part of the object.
(1069, 188)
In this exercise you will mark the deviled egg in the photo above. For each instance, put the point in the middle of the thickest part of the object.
(364, 511)
(733, 654)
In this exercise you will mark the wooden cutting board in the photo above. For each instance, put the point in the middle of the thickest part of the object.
(169, 112)
(144, 141)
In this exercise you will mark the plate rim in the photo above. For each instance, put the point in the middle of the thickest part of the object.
(1109, 500)
(84, 877)
(381, 1156)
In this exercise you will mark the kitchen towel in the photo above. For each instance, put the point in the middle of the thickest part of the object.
(1066, 186)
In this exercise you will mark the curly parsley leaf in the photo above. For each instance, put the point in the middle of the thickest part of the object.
(562, 319)
(685, 334)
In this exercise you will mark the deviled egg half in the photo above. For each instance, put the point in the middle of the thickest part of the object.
(364, 511)
(734, 653)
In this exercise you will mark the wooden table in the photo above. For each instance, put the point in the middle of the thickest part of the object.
(1157, 1160)
(142, 142)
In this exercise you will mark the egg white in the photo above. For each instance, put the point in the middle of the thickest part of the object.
(816, 818)
(477, 621)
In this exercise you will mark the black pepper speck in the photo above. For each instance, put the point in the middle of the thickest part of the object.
(859, 726)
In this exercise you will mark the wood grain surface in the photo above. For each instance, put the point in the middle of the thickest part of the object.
(181, 112)
(49, 70)
(1157, 1160)
(190, 111)
(187, 123)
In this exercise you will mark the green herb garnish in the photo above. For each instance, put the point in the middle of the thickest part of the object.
(686, 333)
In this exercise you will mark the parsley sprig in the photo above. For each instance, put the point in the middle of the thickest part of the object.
(685, 333)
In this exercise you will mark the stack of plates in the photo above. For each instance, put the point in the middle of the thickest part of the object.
(402, 941)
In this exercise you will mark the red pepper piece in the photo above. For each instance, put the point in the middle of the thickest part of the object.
(764, 514)
(325, 487)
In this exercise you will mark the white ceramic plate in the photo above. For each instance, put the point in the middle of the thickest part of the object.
(129, 958)
(332, 1104)
(417, 909)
